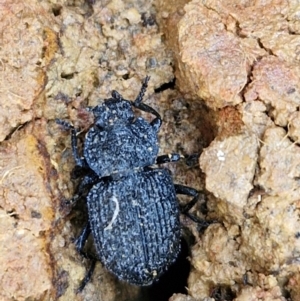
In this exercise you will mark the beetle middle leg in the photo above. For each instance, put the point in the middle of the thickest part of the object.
(84, 187)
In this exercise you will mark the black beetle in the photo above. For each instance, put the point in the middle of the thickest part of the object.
(132, 208)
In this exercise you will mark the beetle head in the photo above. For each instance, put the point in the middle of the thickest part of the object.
(113, 111)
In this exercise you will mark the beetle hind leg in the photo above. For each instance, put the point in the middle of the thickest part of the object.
(184, 209)
(87, 277)
(79, 245)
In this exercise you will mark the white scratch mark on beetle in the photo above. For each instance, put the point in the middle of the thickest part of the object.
(116, 212)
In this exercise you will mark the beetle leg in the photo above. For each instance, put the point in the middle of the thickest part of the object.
(185, 190)
(85, 185)
(192, 160)
(79, 244)
(78, 160)
(82, 238)
(87, 277)
(168, 158)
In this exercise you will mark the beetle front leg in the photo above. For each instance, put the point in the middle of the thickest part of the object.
(78, 160)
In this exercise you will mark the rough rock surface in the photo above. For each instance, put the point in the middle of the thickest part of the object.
(23, 55)
(203, 57)
(242, 59)
(25, 220)
(276, 83)
(234, 185)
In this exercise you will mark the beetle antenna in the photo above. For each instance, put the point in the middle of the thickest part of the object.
(139, 98)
